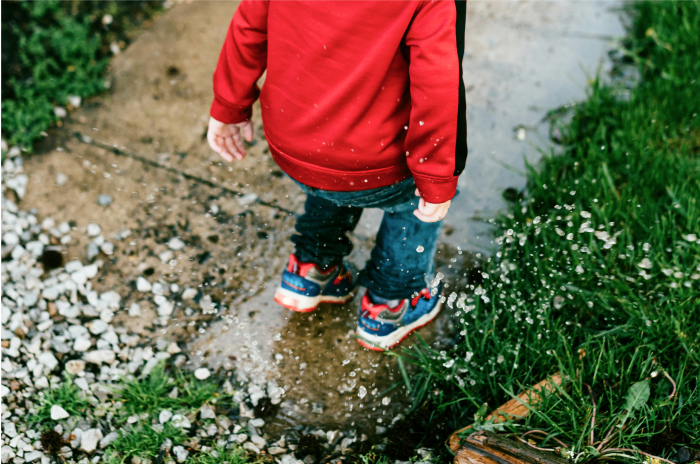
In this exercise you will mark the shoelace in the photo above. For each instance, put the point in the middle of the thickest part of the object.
(425, 293)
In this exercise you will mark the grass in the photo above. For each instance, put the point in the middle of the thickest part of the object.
(150, 394)
(67, 395)
(220, 455)
(596, 272)
(53, 49)
(143, 441)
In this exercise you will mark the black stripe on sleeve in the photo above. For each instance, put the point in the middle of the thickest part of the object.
(461, 143)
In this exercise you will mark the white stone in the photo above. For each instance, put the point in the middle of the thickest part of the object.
(180, 453)
(82, 383)
(48, 360)
(97, 326)
(61, 179)
(10, 238)
(206, 412)
(178, 420)
(78, 434)
(143, 285)
(164, 416)
(9, 428)
(248, 446)
(166, 256)
(58, 413)
(93, 230)
(276, 450)
(82, 344)
(189, 293)
(90, 270)
(176, 244)
(100, 356)
(259, 441)
(75, 366)
(202, 373)
(60, 111)
(247, 199)
(90, 439)
(257, 423)
(134, 310)
(109, 438)
(166, 308)
(107, 248)
(32, 456)
(75, 100)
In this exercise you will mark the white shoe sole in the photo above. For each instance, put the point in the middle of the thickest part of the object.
(304, 304)
(389, 341)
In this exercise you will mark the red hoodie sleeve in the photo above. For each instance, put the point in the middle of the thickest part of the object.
(242, 61)
(436, 141)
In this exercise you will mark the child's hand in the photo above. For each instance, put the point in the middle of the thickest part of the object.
(431, 212)
(225, 139)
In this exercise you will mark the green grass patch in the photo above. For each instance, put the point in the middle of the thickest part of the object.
(221, 455)
(53, 49)
(143, 441)
(597, 270)
(67, 395)
(151, 394)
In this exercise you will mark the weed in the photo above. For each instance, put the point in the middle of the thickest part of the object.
(221, 455)
(143, 441)
(67, 395)
(53, 49)
(152, 393)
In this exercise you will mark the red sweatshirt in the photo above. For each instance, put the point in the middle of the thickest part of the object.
(358, 94)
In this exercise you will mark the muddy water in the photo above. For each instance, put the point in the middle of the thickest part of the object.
(521, 59)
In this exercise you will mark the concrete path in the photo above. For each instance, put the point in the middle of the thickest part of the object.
(522, 59)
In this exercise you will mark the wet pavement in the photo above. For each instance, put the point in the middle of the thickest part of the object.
(522, 58)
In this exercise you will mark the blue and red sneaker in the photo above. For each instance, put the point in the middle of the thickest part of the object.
(304, 286)
(382, 327)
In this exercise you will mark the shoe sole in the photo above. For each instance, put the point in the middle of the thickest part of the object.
(305, 304)
(375, 343)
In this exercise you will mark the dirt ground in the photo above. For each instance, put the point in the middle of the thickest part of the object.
(235, 243)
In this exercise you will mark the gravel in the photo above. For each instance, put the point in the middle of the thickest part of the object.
(55, 322)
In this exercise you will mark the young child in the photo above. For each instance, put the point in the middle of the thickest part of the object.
(364, 107)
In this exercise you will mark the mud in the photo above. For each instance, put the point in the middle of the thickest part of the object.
(522, 59)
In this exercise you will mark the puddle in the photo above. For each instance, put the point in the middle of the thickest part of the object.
(330, 381)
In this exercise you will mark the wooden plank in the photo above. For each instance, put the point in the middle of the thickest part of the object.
(513, 409)
(511, 450)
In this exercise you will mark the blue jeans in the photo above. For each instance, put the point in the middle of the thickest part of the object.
(402, 258)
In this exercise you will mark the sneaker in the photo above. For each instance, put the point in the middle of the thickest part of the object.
(382, 327)
(304, 286)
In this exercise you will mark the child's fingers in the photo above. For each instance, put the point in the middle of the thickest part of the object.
(238, 142)
(248, 131)
(231, 147)
(223, 151)
(426, 218)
